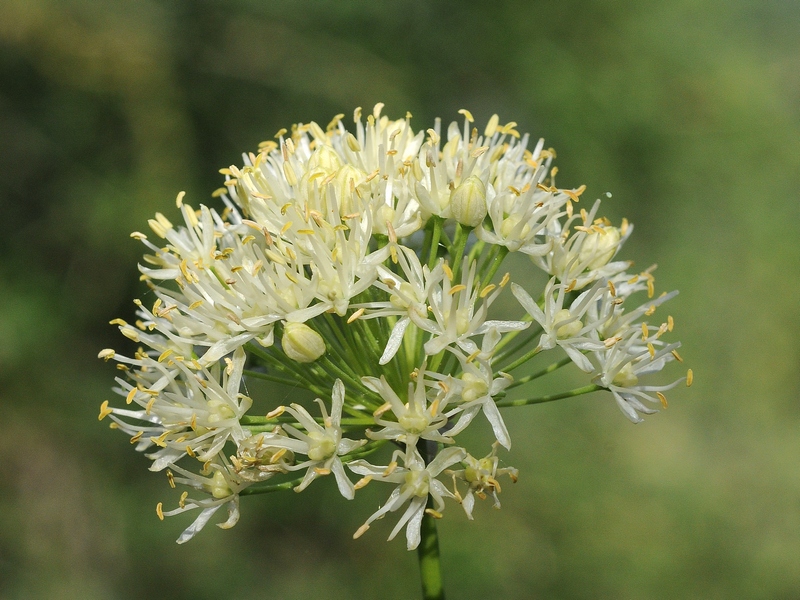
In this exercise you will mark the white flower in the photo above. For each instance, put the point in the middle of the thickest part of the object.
(481, 477)
(415, 419)
(630, 358)
(184, 410)
(474, 391)
(564, 327)
(416, 482)
(458, 316)
(223, 487)
(584, 256)
(406, 296)
(322, 444)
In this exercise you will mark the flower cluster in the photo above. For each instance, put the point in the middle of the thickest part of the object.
(362, 266)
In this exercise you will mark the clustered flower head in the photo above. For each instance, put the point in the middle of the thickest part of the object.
(362, 265)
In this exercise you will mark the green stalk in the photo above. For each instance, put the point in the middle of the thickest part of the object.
(267, 489)
(430, 569)
(434, 250)
(459, 244)
(502, 252)
(522, 359)
(542, 399)
(428, 554)
(548, 369)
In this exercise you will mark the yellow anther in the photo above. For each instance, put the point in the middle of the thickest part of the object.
(104, 411)
(651, 289)
(149, 406)
(663, 399)
(487, 290)
(131, 394)
(381, 410)
(611, 341)
(571, 285)
(645, 332)
(612, 289)
(650, 310)
(677, 356)
(360, 531)
(275, 458)
(362, 482)
(288, 171)
(689, 378)
(651, 349)
(137, 235)
(504, 281)
(165, 354)
(670, 323)
(457, 288)
(179, 199)
(195, 304)
(119, 322)
(390, 469)
(467, 115)
(106, 354)
(355, 315)
(286, 227)
(322, 471)
(473, 356)
(434, 407)
(275, 413)
(231, 182)
(182, 501)
(447, 271)
(190, 452)
(218, 192)
(136, 437)
(171, 479)
(435, 514)
(160, 511)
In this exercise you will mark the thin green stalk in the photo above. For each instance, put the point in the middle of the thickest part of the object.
(434, 248)
(530, 333)
(460, 243)
(502, 252)
(509, 337)
(476, 250)
(428, 553)
(548, 369)
(542, 399)
(268, 489)
(430, 569)
(522, 359)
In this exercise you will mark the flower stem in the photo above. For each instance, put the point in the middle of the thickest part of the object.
(541, 399)
(428, 553)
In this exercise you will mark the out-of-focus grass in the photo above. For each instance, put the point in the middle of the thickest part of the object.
(686, 112)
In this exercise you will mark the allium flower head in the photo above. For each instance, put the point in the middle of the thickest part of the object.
(361, 265)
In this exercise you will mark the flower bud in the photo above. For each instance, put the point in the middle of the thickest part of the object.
(301, 343)
(468, 202)
(599, 248)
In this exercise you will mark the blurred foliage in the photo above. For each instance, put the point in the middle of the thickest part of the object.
(688, 112)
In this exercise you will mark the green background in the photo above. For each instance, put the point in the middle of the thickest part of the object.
(688, 112)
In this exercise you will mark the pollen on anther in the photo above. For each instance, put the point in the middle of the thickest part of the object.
(355, 315)
(104, 411)
(689, 378)
(160, 511)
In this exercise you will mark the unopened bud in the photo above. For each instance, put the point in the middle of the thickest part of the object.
(468, 202)
(301, 343)
(599, 248)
